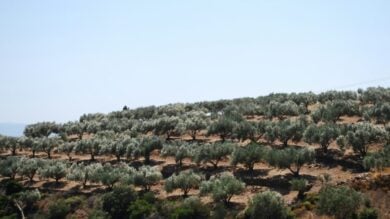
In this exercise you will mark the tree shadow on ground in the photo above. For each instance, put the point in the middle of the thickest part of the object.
(279, 183)
(334, 158)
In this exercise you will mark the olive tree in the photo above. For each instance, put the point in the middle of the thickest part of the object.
(109, 175)
(299, 185)
(9, 166)
(53, 169)
(194, 123)
(290, 158)
(245, 130)
(10, 143)
(290, 130)
(185, 181)
(83, 173)
(378, 160)
(266, 205)
(179, 150)
(380, 112)
(29, 167)
(118, 146)
(41, 129)
(47, 144)
(248, 155)
(322, 135)
(145, 146)
(282, 110)
(222, 187)
(213, 153)
(333, 110)
(146, 176)
(167, 126)
(67, 148)
(90, 146)
(223, 127)
(361, 136)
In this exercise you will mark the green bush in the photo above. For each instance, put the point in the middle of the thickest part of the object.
(182, 213)
(58, 210)
(98, 214)
(116, 203)
(192, 207)
(341, 202)
(369, 213)
(140, 209)
(266, 205)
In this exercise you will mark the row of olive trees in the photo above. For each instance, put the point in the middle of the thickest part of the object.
(191, 118)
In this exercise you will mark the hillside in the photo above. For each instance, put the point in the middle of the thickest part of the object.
(297, 155)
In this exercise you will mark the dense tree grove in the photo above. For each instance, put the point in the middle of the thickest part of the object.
(123, 155)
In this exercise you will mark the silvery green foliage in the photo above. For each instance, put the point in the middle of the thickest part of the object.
(171, 109)
(194, 122)
(109, 175)
(304, 99)
(300, 185)
(47, 144)
(245, 130)
(380, 112)
(333, 110)
(223, 127)
(93, 146)
(266, 205)
(144, 146)
(185, 181)
(168, 126)
(374, 95)
(41, 129)
(118, 146)
(146, 176)
(361, 136)
(179, 150)
(290, 130)
(248, 155)
(341, 202)
(222, 187)
(9, 143)
(83, 173)
(53, 169)
(378, 160)
(67, 148)
(337, 95)
(213, 152)
(282, 110)
(291, 158)
(28, 167)
(9, 166)
(322, 135)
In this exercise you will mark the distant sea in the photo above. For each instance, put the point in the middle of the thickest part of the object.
(12, 129)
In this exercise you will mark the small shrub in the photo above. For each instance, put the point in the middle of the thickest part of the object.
(341, 202)
(58, 210)
(117, 202)
(140, 209)
(369, 213)
(266, 205)
(98, 214)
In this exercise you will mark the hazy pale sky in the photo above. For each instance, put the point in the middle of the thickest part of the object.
(60, 59)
